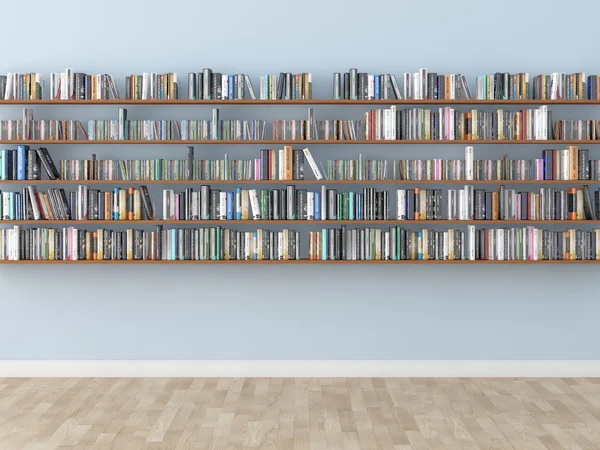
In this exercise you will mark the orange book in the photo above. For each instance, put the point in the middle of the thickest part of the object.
(130, 203)
(288, 158)
(95, 245)
(468, 127)
(107, 204)
(566, 247)
(572, 203)
(417, 207)
(494, 206)
(574, 162)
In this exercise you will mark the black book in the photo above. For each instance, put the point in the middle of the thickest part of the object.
(217, 86)
(298, 165)
(588, 207)
(363, 86)
(147, 202)
(584, 164)
(280, 85)
(48, 164)
(346, 86)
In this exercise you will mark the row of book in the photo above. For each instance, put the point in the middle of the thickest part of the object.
(445, 123)
(352, 85)
(448, 123)
(572, 163)
(291, 203)
(366, 244)
(498, 244)
(214, 243)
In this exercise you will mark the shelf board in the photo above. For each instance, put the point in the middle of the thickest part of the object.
(299, 102)
(309, 182)
(300, 222)
(304, 261)
(298, 142)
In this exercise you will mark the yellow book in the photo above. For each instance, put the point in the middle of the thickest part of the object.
(259, 241)
(573, 246)
(129, 244)
(474, 133)
(286, 253)
(245, 204)
(500, 124)
(425, 239)
(423, 205)
(122, 204)
(88, 245)
(227, 238)
(377, 244)
(580, 209)
(137, 205)
(427, 125)
(51, 236)
(451, 244)
(100, 243)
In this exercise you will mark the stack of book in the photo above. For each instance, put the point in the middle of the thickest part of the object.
(24, 163)
(69, 85)
(363, 86)
(357, 169)
(450, 124)
(17, 86)
(288, 86)
(28, 128)
(425, 85)
(209, 85)
(213, 243)
(152, 86)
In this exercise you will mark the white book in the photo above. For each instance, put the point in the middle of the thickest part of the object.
(146, 86)
(70, 75)
(223, 205)
(407, 86)
(500, 244)
(165, 204)
(281, 164)
(9, 87)
(401, 204)
(262, 90)
(371, 87)
(416, 87)
(565, 165)
(423, 91)
(310, 205)
(312, 163)
(544, 124)
(452, 86)
(469, 170)
(6, 206)
(393, 112)
(445, 246)
(225, 87)
(323, 203)
(471, 241)
(254, 204)
(63, 86)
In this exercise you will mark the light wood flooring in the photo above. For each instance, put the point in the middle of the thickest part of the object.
(299, 413)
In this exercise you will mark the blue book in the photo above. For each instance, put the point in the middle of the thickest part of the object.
(351, 200)
(231, 85)
(238, 203)
(11, 207)
(174, 244)
(317, 206)
(2, 164)
(324, 244)
(420, 247)
(115, 204)
(22, 161)
(376, 86)
(19, 208)
(230, 205)
(255, 255)
(359, 207)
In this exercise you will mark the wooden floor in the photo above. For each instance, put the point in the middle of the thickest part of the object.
(288, 413)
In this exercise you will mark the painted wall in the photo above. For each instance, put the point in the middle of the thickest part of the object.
(269, 312)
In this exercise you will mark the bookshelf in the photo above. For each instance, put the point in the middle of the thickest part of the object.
(313, 224)
(314, 102)
(300, 142)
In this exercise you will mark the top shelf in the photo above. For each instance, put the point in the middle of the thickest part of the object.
(299, 102)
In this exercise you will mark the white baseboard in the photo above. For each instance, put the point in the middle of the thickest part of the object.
(367, 368)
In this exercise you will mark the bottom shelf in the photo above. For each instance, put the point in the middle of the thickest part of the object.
(303, 261)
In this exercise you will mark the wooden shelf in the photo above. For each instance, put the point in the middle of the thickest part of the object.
(309, 182)
(299, 102)
(306, 261)
(297, 142)
(300, 222)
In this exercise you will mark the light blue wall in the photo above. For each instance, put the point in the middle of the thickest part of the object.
(269, 312)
